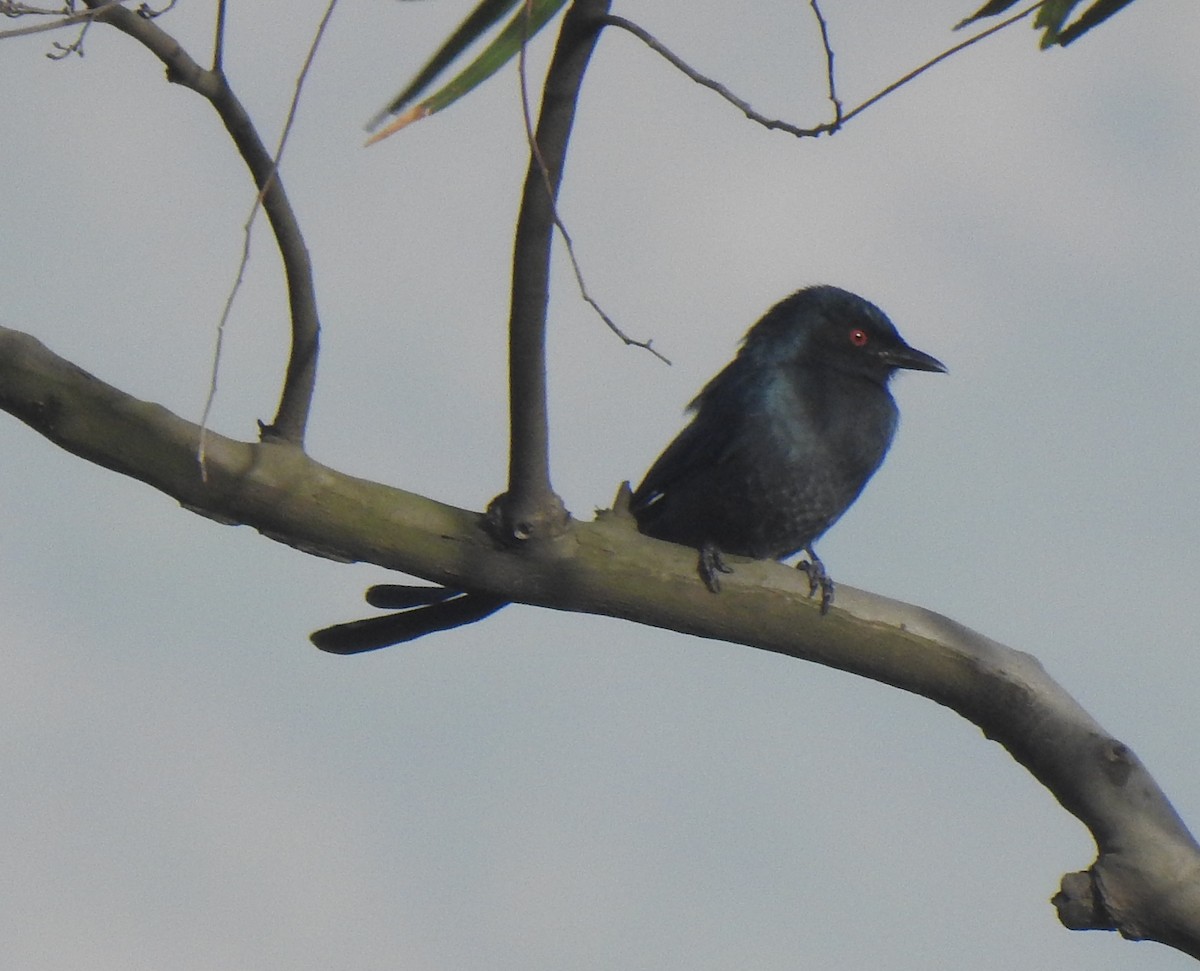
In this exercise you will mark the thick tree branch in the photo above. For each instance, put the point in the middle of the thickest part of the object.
(530, 509)
(1145, 881)
(300, 379)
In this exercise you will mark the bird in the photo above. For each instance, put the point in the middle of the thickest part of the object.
(780, 444)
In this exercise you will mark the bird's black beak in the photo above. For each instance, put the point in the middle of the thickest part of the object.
(911, 359)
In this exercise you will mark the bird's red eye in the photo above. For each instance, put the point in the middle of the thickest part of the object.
(858, 337)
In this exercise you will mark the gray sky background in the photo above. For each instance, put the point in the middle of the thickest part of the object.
(188, 784)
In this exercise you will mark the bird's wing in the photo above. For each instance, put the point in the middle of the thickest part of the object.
(714, 434)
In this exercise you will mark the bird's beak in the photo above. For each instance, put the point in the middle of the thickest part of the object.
(911, 359)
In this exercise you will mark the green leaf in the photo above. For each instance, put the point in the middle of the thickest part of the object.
(475, 26)
(1051, 16)
(1097, 13)
(990, 9)
(532, 16)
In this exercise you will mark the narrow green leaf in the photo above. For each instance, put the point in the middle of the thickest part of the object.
(990, 9)
(1096, 14)
(522, 28)
(481, 19)
(525, 23)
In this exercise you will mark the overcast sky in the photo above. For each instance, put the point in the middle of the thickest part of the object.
(188, 784)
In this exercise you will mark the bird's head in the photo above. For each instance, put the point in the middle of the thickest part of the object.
(827, 327)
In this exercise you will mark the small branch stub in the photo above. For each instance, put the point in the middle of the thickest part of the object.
(517, 522)
(1079, 906)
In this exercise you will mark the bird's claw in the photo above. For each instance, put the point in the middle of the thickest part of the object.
(712, 564)
(818, 579)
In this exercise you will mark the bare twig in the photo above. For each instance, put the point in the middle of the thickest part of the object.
(145, 10)
(916, 72)
(576, 268)
(84, 17)
(659, 48)
(648, 344)
(11, 8)
(75, 47)
(840, 118)
(829, 75)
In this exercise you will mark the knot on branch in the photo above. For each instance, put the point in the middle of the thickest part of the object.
(517, 520)
(1117, 761)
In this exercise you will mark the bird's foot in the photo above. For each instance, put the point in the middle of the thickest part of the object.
(818, 579)
(712, 564)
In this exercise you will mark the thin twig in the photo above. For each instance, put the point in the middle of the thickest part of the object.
(648, 344)
(833, 98)
(11, 8)
(75, 47)
(145, 10)
(536, 154)
(658, 47)
(941, 57)
(80, 17)
(839, 118)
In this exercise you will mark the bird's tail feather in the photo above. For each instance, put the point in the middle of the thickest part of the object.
(423, 610)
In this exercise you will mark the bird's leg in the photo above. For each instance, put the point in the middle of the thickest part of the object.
(710, 565)
(818, 579)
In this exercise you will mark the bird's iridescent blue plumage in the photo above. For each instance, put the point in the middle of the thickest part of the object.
(783, 440)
